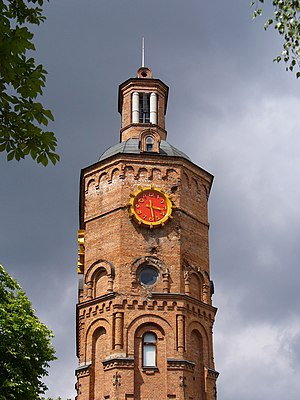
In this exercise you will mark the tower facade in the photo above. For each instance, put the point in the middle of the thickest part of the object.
(144, 312)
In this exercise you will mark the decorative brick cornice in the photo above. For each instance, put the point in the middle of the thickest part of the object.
(118, 362)
(83, 370)
(160, 301)
(180, 364)
(186, 303)
(211, 373)
(175, 161)
(97, 300)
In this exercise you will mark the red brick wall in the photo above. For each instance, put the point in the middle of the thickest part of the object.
(177, 309)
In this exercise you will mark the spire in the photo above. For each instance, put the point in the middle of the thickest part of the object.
(143, 53)
(144, 72)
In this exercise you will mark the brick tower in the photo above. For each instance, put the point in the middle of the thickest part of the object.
(144, 313)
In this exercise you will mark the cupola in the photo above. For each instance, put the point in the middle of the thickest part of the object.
(143, 105)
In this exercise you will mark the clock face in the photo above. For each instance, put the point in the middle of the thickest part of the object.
(150, 207)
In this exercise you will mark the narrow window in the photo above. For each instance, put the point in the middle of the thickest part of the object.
(149, 143)
(149, 350)
(144, 108)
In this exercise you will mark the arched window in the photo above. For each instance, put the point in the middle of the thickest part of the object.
(149, 143)
(149, 350)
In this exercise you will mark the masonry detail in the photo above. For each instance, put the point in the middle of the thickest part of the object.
(144, 314)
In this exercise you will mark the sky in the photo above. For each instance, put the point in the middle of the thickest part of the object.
(233, 111)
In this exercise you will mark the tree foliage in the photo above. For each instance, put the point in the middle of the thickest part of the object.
(286, 20)
(22, 118)
(50, 398)
(25, 345)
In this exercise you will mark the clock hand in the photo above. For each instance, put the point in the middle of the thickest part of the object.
(151, 208)
(156, 208)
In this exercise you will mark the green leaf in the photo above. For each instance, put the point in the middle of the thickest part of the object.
(10, 155)
(286, 21)
(2, 147)
(53, 158)
(21, 82)
(25, 347)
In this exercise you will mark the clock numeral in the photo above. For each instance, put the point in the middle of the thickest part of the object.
(162, 213)
(137, 206)
(151, 194)
(144, 216)
(162, 201)
(140, 200)
(150, 219)
(139, 212)
(164, 207)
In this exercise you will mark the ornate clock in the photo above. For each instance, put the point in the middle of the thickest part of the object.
(150, 207)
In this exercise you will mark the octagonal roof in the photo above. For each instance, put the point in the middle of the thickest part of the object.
(131, 146)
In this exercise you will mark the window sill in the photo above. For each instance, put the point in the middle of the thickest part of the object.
(150, 370)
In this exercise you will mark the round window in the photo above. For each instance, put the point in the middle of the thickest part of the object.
(148, 275)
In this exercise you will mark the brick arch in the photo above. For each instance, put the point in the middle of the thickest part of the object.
(171, 174)
(204, 275)
(143, 173)
(145, 386)
(102, 177)
(195, 184)
(150, 260)
(185, 180)
(91, 184)
(196, 283)
(100, 283)
(156, 174)
(99, 347)
(106, 265)
(205, 290)
(206, 189)
(99, 278)
(155, 137)
(197, 326)
(156, 262)
(150, 327)
(196, 352)
(115, 174)
(129, 172)
(149, 319)
(91, 331)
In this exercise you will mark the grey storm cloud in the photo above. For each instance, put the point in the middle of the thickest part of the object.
(233, 112)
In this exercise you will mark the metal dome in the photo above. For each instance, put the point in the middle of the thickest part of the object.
(131, 146)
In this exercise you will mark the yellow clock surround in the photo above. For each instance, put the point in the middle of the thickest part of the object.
(150, 207)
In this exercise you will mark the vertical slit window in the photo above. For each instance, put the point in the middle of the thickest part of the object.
(149, 350)
(144, 108)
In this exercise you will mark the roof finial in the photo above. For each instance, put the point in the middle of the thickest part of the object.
(144, 72)
(143, 52)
